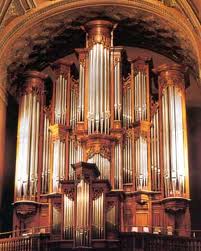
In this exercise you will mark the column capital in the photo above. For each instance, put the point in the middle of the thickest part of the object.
(61, 67)
(34, 80)
(171, 74)
(99, 31)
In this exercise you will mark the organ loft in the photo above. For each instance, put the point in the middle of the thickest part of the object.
(104, 149)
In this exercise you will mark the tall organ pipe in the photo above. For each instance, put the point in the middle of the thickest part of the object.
(75, 155)
(141, 154)
(155, 153)
(98, 89)
(46, 157)
(82, 219)
(27, 152)
(103, 165)
(58, 164)
(68, 218)
(140, 101)
(173, 142)
(97, 217)
(81, 93)
(117, 91)
(60, 100)
(74, 106)
(127, 162)
(127, 105)
(118, 164)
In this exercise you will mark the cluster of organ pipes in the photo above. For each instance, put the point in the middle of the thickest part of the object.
(45, 177)
(59, 156)
(97, 217)
(117, 91)
(118, 165)
(68, 217)
(140, 96)
(111, 219)
(82, 213)
(103, 165)
(173, 140)
(99, 90)
(74, 104)
(155, 153)
(60, 100)
(113, 111)
(81, 93)
(128, 161)
(141, 163)
(27, 146)
(127, 104)
(75, 155)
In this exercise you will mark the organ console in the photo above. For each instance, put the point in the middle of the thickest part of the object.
(107, 156)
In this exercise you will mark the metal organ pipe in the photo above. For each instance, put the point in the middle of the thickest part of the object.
(27, 153)
(75, 155)
(111, 219)
(140, 100)
(81, 93)
(82, 219)
(127, 161)
(68, 218)
(117, 91)
(97, 217)
(155, 152)
(141, 151)
(127, 106)
(60, 100)
(46, 156)
(103, 165)
(118, 164)
(173, 142)
(98, 89)
(58, 163)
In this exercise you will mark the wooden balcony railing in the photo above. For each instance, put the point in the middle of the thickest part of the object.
(153, 242)
(130, 241)
(24, 243)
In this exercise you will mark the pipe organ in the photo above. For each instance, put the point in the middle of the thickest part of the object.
(29, 127)
(174, 137)
(155, 150)
(45, 176)
(106, 145)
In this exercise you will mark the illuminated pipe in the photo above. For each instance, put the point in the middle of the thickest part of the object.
(101, 91)
(36, 147)
(145, 97)
(80, 94)
(57, 100)
(62, 99)
(82, 104)
(158, 150)
(65, 100)
(119, 92)
(137, 96)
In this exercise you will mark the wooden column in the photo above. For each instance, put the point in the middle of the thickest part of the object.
(3, 104)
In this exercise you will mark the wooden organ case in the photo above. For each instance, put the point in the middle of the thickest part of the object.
(106, 156)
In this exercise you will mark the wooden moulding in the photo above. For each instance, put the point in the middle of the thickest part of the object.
(26, 208)
(175, 205)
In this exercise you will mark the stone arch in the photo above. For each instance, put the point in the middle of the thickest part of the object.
(18, 27)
